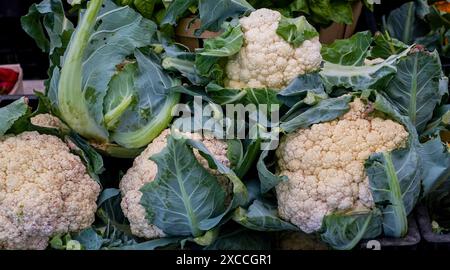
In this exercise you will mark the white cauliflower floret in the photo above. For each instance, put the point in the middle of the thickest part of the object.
(46, 120)
(144, 171)
(266, 59)
(325, 165)
(44, 190)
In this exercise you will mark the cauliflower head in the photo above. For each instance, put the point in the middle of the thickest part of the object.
(44, 190)
(266, 59)
(145, 170)
(46, 120)
(325, 165)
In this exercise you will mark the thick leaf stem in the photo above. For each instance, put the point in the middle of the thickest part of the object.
(72, 103)
(398, 208)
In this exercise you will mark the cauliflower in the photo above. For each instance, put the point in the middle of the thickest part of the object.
(266, 59)
(44, 190)
(325, 165)
(299, 241)
(144, 171)
(46, 120)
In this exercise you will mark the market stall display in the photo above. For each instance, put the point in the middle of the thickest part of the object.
(347, 138)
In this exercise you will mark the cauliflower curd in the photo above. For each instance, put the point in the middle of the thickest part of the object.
(44, 190)
(46, 120)
(325, 165)
(145, 170)
(266, 59)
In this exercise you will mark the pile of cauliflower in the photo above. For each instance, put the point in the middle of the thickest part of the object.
(266, 59)
(45, 190)
(145, 170)
(325, 165)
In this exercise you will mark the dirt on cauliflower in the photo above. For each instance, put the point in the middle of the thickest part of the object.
(144, 171)
(325, 165)
(44, 190)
